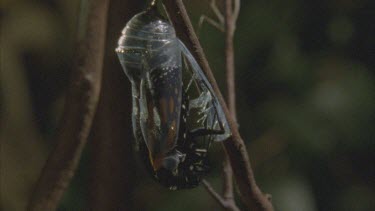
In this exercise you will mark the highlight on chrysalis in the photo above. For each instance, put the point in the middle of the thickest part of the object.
(175, 114)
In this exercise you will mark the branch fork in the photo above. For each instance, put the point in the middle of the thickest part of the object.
(251, 195)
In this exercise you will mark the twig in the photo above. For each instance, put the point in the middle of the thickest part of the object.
(229, 57)
(236, 11)
(79, 110)
(219, 24)
(228, 195)
(214, 194)
(225, 204)
(217, 12)
(228, 183)
(251, 195)
(210, 21)
(230, 24)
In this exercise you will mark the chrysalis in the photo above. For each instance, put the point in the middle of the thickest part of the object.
(176, 114)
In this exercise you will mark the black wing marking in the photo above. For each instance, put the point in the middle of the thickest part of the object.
(161, 101)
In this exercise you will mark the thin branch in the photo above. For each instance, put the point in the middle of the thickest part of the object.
(214, 194)
(228, 181)
(219, 24)
(210, 21)
(225, 204)
(229, 23)
(231, 97)
(79, 110)
(229, 58)
(251, 195)
(217, 12)
(236, 11)
(227, 201)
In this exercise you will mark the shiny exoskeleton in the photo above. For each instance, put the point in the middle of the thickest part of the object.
(175, 113)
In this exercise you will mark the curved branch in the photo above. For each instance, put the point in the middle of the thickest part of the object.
(79, 110)
(251, 195)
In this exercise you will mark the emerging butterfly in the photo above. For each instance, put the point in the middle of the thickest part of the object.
(176, 114)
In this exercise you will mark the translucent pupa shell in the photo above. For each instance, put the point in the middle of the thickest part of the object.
(152, 58)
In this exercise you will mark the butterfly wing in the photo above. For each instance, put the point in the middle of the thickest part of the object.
(161, 92)
(213, 113)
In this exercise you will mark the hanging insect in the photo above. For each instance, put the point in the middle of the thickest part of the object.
(176, 115)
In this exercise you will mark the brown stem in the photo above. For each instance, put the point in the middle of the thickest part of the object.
(229, 58)
(251, 195)
(228, 181)
(79, 110)
(214, 194)
(225, 204)
(231, 96)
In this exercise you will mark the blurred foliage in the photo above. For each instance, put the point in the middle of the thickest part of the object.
(305, 91)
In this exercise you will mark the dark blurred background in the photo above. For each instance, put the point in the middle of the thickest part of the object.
(306, 105)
